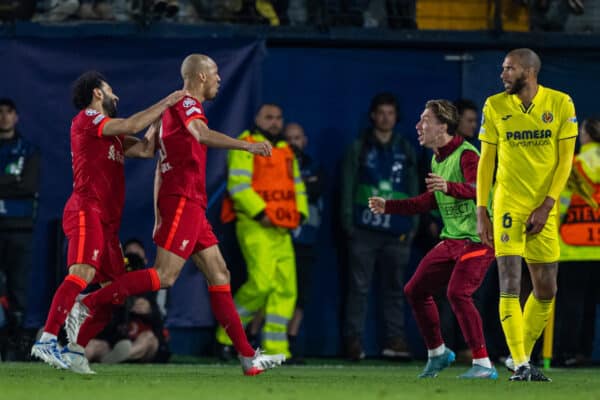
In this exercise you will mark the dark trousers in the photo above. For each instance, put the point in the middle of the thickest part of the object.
(15, 264)
(305, 260)
(369, 250)
(576, 300)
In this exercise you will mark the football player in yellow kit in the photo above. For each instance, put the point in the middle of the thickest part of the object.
(531, 130)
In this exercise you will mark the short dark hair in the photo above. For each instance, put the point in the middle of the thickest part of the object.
(263, 105)
(465, 104)
(445, 112)
(6, 102)
(380, 99)
(134, 241)
(83, 88)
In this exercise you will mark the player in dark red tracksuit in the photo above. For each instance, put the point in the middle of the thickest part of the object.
(460, 261)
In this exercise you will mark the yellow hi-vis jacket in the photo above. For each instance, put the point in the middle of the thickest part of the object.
(580, 226)
(270, 184)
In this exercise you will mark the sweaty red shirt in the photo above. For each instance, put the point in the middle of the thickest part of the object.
(182, 157)
(98, 168)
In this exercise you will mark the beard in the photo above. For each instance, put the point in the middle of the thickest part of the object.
(109, 106)
(296, 149)
(518, 85)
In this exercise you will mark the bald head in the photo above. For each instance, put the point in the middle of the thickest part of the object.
(200, 76)
(294, 135)
(527, 59)
(194, 64)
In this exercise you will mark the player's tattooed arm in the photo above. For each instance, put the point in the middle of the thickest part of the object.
(145, 147)
(140, 120)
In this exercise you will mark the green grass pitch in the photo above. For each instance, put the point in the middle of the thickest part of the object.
(33, 381)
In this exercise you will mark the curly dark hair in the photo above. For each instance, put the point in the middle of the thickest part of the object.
(83, 88)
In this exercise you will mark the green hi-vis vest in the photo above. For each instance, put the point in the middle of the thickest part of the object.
(460, 220)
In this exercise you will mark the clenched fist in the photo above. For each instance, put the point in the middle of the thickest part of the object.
(377, 205)
(261, 148)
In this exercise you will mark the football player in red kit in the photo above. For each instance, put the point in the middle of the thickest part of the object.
(92, 215)
(183, 229)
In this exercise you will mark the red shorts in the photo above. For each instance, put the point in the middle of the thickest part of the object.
(93, 243)
(183, 228)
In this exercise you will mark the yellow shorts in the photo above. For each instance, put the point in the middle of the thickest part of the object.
(510, 238)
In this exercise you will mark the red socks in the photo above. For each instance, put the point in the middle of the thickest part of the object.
(479, 353)
(63, 301)
(94, 324)
(224, 310)
(129, 284)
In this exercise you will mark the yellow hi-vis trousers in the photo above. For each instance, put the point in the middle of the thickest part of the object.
(271, 284)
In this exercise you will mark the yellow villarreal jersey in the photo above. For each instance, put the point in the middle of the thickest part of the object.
(527, 144)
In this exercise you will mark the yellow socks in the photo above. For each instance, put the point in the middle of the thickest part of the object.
(511, 318)
(535, 317)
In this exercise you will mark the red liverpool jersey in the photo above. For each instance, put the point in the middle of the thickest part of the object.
(182, 157)
(98, 168)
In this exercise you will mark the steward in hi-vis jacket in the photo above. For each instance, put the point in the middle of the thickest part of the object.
(267, 199)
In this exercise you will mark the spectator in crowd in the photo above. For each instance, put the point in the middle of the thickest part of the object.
(267, 198)
(136, 331)
(58, 10)
(19, 170)
(306, 235)
(552, 15)
(272, 11)
(95, 10)
(168, 8)
(468, 114)
(120, 10)
(379, 163)
(395, 14)
(579, 276)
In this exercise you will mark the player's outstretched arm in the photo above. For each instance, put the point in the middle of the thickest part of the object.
(145, 147)
(140, 120)
(485, 174)
(422, 203)
(211, 138)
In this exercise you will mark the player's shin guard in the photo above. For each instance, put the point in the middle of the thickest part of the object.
(129, 284)
(63, 301)
(535, 317)
(223, 308)
(511, 318)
